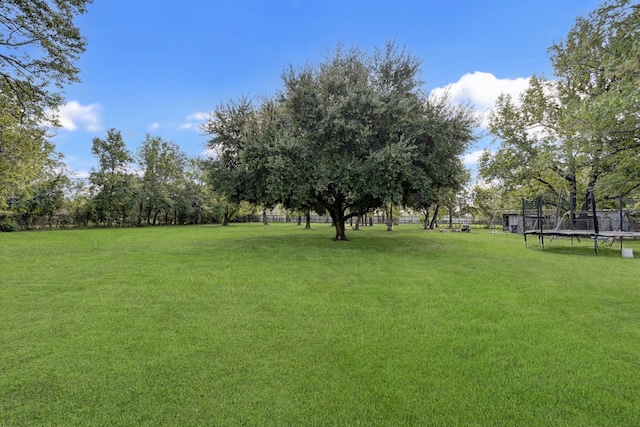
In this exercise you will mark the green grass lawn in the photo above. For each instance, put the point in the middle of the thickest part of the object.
(276, 325)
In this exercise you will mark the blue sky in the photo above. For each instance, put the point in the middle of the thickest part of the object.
(158, 67)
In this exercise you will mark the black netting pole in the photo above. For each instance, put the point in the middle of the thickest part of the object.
(620, 212)
(541, 237)
(595, 222)
(524, 222)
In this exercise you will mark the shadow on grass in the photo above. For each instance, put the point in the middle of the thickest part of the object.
(585, 249)
(320, 239)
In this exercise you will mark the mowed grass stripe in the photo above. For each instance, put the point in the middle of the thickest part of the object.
(277, 325)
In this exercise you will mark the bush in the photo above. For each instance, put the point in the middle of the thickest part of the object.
(8, 226)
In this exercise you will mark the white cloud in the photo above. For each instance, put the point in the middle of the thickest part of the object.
(199, 116)
(194, 120)
(73, 115)
(83, 174)
(154, 126)
(472, 158)
(482, 89)
(209, 153)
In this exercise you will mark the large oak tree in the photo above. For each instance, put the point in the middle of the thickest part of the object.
(349, 135)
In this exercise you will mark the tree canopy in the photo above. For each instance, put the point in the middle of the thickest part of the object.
(25, 150)
(580, 130)
(39, 45)
(349, 135)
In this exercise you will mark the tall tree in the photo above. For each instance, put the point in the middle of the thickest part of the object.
(25, 149)
(597, 67)
(449, 130)
(113, 182)
(346, 136)
(228, 127)
(39, 45)
(193, 194)
(359, 119)
(163, 165)
(579, 131)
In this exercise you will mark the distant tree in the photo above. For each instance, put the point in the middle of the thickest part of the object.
(450, 130)
(113, 182)
(193, 195)
(163, 164)
(78, 201)
(40, 45)
(486, 199)
(228, 128)
(48, 197)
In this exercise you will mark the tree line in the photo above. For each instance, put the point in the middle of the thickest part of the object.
(157, 184)
(349, 135)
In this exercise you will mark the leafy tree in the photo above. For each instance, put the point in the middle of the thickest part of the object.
(345, 137)
(367, 130)
(79, 201)
(113, 182)
(163, 165)
(228, 127)
(485, 199)
(597, 65)
(193, 195)
(25, 150)
(579, 131)
(449, 128)
(48, 197)
(40, 45)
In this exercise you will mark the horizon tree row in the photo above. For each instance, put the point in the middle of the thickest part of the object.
(158, 184)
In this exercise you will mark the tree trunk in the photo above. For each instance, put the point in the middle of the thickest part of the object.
(308, 221)
(264, 218)
(299, 220)
(337, 215)
(425, 224)
(390, 218)
(434, 218)
(225, 219)
(140, 212)
(340, 232)
(358, 219)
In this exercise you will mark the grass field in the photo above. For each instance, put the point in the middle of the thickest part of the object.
(276, 326)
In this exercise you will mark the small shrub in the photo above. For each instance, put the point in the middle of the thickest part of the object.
(8, 226)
